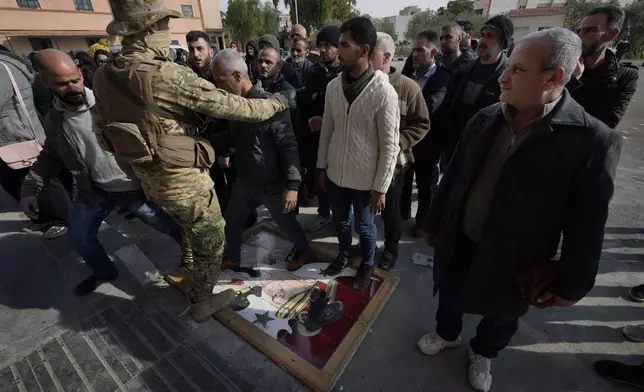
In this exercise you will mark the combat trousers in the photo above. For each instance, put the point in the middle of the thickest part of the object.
(203, 235)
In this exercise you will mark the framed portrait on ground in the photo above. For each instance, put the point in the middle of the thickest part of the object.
(308, 323)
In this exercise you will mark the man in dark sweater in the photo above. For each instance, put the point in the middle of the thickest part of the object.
(288, 70)
(268, 165)
(311, 104)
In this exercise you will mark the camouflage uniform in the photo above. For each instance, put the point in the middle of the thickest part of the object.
(182, 100)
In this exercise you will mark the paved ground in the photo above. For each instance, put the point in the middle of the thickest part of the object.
(129, 338)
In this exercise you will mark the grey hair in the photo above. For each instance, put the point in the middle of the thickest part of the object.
(279, 55)
(386, 43)
(564, 49)
(230, 60)
(457, 27)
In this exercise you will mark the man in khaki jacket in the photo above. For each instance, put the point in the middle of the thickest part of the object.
(414, 125)
(150, 112)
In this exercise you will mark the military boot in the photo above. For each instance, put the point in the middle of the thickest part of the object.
(322, 312)
(203, 310)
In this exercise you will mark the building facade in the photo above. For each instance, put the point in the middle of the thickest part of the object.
(401, 20)
(528, 16)
(31, 25)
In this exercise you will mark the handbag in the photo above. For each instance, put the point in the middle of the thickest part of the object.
(22, 154)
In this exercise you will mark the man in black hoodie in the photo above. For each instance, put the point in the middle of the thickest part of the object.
(252, 53)
(268, 166)
(288, 70)
(311, 104)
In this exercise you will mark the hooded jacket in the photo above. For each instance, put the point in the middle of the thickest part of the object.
(14, 124)
(252, 61)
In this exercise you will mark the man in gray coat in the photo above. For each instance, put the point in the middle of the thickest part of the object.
(527, 171)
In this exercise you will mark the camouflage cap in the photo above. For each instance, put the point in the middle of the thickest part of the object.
(134, 16)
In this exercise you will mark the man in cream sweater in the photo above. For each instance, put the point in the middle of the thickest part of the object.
(359, 145)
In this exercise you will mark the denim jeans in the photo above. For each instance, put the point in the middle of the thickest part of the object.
(86, 220)
(246, 198)
(342, 199)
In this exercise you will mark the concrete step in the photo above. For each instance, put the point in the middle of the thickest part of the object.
(131, 346)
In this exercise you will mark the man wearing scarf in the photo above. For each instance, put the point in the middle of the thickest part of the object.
(359, 145)
(149, 112)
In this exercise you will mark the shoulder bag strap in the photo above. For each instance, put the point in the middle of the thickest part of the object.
(22, 102)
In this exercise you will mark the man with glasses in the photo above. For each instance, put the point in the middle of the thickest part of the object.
(602, 85)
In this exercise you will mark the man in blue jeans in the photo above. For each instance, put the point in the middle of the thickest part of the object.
(268, 165)
(101, 182)
(359, 145)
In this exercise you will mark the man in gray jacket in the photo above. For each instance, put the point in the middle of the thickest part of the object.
(101, 181)
(15, 127)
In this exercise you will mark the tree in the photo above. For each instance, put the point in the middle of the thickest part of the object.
(403, 45)
(386, 26)
(577, 10)
(315, 14)
(633, 29)
(432, 20)
(457, 7)
(250, 18)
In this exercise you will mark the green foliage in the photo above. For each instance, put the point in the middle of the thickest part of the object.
(386, 26)
(433, 20)
(315, 14)
(457, 7)
(250, 19)
(577, 9)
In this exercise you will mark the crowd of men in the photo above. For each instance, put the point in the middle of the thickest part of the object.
(525, 144)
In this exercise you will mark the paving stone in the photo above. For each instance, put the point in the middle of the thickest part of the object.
(26, 375)
(7, 382)
(136, 385)
(152, 334)
(97, 374)
(41, 373)
(63, 368)
(131, 342)
(119, 351)
(109, 355)
(154, 382)
(220, 364)
(195, 368)
(173, 377)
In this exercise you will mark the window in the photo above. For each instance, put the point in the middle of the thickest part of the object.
(479, 12)
(91, 41)
(544, 28)
(186, 10)
(174, 42)
(83, 5)
(40, 43)
(28, 4)
(522, 7)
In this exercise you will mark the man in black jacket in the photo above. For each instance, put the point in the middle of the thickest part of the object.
(605, 87)
(435, 81)
(287, 70)
(268, 166)
(311, 104)
(527, 172)
(476, 83)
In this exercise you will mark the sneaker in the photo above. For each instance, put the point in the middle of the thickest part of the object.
(637, 293)
(55, 232)
(387, 261)
(30, 228)
(318, 224)
(336, 267)
(229, 264)
(479, 371)
(362, 280)
(89, 285)
(432, 343)
(621, 373)
(634, 333)
(295, 260)
(203, 310)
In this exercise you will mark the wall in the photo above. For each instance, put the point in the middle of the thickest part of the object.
(482, 5)
(211, 14)
(532, 23)
(70, 43)
(500, 6)
(400, 23)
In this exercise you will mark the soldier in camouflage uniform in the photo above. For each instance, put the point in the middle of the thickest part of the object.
(163, 104)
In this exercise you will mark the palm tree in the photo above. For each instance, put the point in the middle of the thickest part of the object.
(403, 44)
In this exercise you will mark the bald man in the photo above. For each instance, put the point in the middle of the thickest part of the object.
(101, 181)
(300, 31)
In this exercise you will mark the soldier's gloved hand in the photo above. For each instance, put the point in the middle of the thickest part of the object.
(281, 100)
